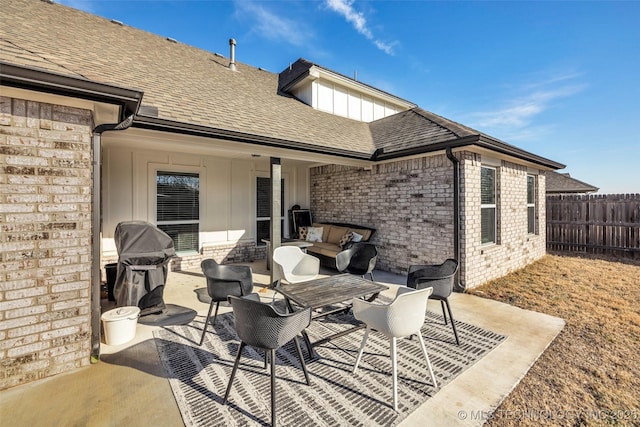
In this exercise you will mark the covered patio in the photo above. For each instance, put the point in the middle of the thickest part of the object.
(129, 386)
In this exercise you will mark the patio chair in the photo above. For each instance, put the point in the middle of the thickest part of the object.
(440, 277)
(404, 316)
(223, 281)
(259, 325)
(293, 265)
(359, 259)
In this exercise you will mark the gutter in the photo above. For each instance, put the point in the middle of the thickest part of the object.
(164, 125)
(75, 87)
(480, 141)
(96, 227)
(456, 213)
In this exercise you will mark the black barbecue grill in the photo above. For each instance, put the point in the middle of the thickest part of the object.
(144, 252)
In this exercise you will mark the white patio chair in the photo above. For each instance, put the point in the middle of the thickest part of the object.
(293, 265)
(404, 316)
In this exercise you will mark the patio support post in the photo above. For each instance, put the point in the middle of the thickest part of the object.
(275, 231)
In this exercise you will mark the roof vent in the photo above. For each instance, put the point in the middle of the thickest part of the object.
(232, 56)
(172, 40)
(115, 21)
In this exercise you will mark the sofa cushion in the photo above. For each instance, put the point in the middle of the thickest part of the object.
(345, 239)
(366, 234)
(336, 233)
(303, 232)
(314, 234)
(324, 248)
(355, 237)
(325, 230)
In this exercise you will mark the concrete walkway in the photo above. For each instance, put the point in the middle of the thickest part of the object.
(129, 388)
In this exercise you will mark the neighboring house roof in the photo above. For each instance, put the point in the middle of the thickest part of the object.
(558, 183)
(194, 91)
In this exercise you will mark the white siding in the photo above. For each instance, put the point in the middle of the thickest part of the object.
(344, 101)
(340, 101)
(378, 110)
(367, 109)
(389, 110)
(305, 94)
(325, 97)
(227, 191)
(355, 106)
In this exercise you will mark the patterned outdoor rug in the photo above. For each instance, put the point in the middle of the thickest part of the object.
(336, 397)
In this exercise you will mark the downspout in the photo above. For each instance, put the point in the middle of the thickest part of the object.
(456, 212)
(96, 226)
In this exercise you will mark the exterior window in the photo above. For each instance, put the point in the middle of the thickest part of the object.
(263, 206)
(488, 205)
(178, 208)
(531, 204)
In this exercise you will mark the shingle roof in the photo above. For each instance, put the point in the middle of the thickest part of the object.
(563, 183)
(192, 86)
(414, 127)
(186, 84)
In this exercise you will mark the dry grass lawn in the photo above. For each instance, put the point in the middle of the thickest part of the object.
(590, 374)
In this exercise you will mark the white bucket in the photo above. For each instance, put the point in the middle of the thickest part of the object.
(120, 324)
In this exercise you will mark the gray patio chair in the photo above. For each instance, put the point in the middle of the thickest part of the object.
(223, 281)
(404, 316)
(440, 277)
(259, 325)
(359, 259)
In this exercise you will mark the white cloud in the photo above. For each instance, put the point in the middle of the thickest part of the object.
(271, 26)
(359, 22)
(515, 119)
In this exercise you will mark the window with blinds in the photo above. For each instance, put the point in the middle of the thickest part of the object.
(178, 208)
(531, 204)
(263, 206)
(488, 205)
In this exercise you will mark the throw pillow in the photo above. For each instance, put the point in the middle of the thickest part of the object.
(356, 237)
(345, 239)
(314, 234)
(302, 233)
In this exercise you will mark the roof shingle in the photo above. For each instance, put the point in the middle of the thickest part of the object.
(192, 86)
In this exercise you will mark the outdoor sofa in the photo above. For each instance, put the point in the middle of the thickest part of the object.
(333, 238)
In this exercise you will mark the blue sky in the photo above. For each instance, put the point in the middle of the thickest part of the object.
(559, 79)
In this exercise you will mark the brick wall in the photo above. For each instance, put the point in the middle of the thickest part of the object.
(515, 247)
(45, 256)
(409, 202)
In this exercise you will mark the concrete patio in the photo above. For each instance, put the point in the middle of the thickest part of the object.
(129, 387)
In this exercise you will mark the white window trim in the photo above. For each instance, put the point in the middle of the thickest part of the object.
(493, 206)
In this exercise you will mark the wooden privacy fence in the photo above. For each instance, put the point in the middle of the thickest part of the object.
(594, 223)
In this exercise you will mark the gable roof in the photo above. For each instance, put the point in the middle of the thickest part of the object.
(303, 69)
(557, 183)
(194, 91)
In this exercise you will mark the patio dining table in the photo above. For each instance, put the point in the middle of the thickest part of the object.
(329, 292)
